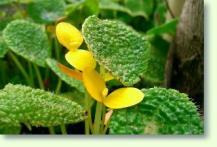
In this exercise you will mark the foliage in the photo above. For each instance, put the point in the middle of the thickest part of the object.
(27, 40)
(46, 11)
(22, 104)
(122, 51)
(60, 70)
(129, 40)
(162, 111)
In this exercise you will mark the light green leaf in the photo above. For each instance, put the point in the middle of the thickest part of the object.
(22, 104)
(4, 2)
(46, 11)
(140, 7)
(111, 5)
(168, 27)
(56, 68)
(123, 52)
(162, 111)
(131, 7)
(3, 48)
(8, 125)
(91, 6)
(28, 40)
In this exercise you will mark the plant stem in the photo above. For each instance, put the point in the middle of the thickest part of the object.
(31, 74)
(21, 68)
(98, 120)
(58, 88)
(87, 129)
(103, 118)
(57, 91)
(57, 48)
(63, 129)
(39, 76)
(51, 130)
(106, 127)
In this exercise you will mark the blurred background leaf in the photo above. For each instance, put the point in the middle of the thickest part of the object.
(46, 11)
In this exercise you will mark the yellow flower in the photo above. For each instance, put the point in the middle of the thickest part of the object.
(69, 36)
(120, 98)
(81, 59)
(84, 61)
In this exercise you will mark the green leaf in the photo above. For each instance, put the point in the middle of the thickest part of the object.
(168, 27)
(111, 5)
(56, 68)
(162, 111)
(3, 48)
(140, 7)
(91, 6)
(37, 108)
(46, 11)
(131, 7)
(8, 125)
(28, 40)
(123, 52)
(4, 2)
(77, 97)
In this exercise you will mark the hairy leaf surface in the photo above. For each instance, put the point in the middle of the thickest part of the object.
(162, 111)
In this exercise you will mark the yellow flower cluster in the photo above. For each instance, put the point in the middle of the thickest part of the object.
(83, 60)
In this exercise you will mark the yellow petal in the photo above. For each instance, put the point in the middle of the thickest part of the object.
(69, 36)
(94, 84)
(81, 59)
(123, 97)
(71, 73)
(105, 74)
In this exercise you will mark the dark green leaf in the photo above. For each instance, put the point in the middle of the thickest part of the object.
(3, 48)
(168, 27)
(140, 7)
(46, 11)
(162, 111)
(131, 7)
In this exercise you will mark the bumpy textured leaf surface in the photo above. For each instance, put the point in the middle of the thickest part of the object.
(3, 48)
(123, 51)
(46, 11)
(55, 67)
(21, 104)
(162, 111)
(27, 40)
(8, 125)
